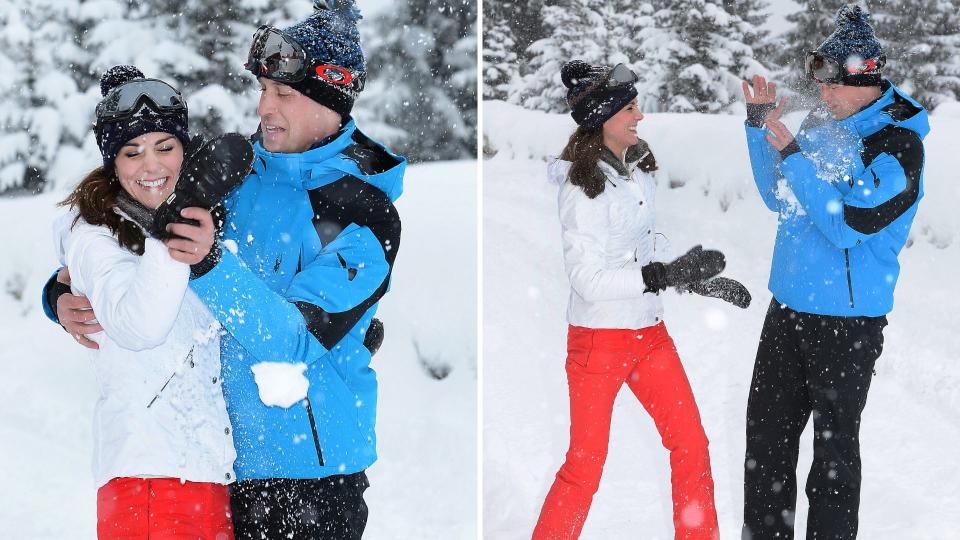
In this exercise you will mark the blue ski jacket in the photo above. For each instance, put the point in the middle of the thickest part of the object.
(309, 244)
(845, 201)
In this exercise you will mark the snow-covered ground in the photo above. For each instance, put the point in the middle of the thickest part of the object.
(423, 486)
(911, 426)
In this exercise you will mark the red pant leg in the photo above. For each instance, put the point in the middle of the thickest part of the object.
(660, 383)
(189, 510)
(123, 509)
(596, 368)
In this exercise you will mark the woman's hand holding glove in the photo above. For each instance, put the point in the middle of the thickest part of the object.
(693, 266)
(696, 271)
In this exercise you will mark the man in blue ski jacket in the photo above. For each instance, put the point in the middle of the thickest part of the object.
(846, 191)
(307, 250)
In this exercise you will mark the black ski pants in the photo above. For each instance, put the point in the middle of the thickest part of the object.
(807, 365)
(329, 508)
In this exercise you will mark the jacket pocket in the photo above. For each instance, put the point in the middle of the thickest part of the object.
(579, 345)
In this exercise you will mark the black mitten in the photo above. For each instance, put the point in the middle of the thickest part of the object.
(373, 339)
(694, 265)
(726, 289)
(210, 172)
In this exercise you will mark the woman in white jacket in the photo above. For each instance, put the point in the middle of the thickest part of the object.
(616, 331)
(163, 451)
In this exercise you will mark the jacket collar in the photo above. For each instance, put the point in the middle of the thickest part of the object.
(893, 107)
(294, 169)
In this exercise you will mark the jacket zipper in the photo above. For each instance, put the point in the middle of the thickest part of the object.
(313, 426)
(846, 255)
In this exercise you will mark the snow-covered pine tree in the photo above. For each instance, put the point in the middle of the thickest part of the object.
(588, 30)
(202, 46)
(500, 60)
(39, 126)
(525, 19)
(922, 43)
(700, 55)
(420, 97)
(755, 13)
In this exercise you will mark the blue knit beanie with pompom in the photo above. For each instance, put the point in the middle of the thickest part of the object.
(855, 46)
(331, 38)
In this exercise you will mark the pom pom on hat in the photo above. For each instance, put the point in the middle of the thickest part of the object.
(116, 76)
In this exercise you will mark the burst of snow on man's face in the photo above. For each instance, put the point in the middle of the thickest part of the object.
(845, 101)
(290, 121)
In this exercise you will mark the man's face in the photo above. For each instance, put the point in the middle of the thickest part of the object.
(292, 122)
(847, 100)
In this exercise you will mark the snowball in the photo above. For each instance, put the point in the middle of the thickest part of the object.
(280, 384)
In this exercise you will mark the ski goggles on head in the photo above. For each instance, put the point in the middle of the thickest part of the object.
(277, 56)
(621, 75)
(126, 99)
(824, 69)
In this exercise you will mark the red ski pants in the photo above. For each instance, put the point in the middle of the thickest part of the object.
(163, 509)
(599, 362)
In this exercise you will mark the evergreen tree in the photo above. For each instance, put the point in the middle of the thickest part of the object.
(755, 14)
(38, 122)
(526, 21)
(587, 30)
(921, 39)
(500, 66)
(420, 97)
(700, 55)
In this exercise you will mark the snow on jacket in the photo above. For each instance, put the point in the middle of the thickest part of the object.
(606, 242)
(309, 245)
(161, 410)
(846, 203)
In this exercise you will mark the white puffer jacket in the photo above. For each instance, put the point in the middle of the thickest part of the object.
(606, 242)
(161, 411)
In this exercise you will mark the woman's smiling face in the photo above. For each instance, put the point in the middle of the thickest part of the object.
(620, 131)
(148, 167)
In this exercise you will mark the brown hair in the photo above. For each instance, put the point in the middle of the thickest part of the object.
(95, 197)
(583, 152)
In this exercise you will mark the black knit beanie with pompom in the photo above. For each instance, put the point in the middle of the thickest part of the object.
(113, 134)
(591, 101)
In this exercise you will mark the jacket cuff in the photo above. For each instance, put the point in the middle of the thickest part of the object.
(201, 268)
(790, 149)
(53, 290)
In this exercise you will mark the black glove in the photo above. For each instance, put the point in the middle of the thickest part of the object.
(210, 171)
(374, 336)
(726, 289)
(694, 265)
(757, 113)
